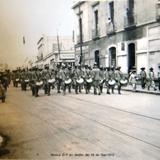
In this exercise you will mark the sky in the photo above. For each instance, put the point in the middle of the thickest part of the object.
(31, 19)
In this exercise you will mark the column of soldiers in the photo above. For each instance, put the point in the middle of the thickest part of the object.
(66, 77)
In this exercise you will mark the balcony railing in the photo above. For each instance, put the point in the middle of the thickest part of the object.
(130, 21)
(158, 11)
(110, 28)
(95, 33)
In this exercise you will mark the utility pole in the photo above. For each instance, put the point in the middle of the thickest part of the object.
(58, 45)
(80, 32)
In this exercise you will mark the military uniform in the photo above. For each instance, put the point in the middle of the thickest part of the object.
(107, 77)
(60, 79)
(101, 74)
(87, 76)
(67, 76)
(78, 73)
(96, 79)
(118, 77)
(112, 77)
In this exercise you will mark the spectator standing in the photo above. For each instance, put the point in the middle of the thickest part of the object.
(143, 77)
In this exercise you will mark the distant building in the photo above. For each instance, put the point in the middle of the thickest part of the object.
(55, 49)
(118, 33)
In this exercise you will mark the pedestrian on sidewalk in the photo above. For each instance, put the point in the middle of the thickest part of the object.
(151, 82)
(133, 79)
(158, 75)
(143, 77)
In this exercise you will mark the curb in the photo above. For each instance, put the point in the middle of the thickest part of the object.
(141, 91)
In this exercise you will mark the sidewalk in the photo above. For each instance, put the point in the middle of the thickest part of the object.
(140, 90)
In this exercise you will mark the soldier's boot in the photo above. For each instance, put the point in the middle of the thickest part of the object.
(119, 89)
(69, 89)
(112, 90)
(95, 91)
(80, 89)
(101, 89)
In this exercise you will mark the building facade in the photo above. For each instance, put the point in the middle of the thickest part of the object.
(55, 49)
(122, 33)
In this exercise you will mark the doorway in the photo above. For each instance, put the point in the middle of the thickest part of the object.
(97, 57)
(131, 56)
(112, 53)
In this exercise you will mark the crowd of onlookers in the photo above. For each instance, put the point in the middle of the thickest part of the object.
(149, 81)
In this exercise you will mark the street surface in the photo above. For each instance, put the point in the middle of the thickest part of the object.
(120, 127)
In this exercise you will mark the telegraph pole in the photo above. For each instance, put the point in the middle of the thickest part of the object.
(80, 32)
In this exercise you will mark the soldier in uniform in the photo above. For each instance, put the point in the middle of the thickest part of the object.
(27, 77)
(118, 77)
(107, 78)
(67, 79)
(101, 78)
(22, 80)
(32, 80)
(78, 75)
(60, 78)
(17, 78)
(88, 78)
(96, 79)
(46, 77)
(37, 77)
(112, 78)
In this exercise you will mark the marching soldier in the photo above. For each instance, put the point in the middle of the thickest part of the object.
(88, 78)
(32, 79)
(37, 82)
(78, 76)
(101, 74)
(107, 77)
(112, 79)
(51, 81)
(22, 80)
(46, 77)
(17, 78)
(96, 79)
(118, 77)
(67, 79)
(60, 78)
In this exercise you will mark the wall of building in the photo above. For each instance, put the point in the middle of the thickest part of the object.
(145, 35)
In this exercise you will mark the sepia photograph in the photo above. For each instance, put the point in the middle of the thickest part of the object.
(80, 80)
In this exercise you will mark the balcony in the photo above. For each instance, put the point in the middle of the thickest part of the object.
(158, 11)
(130, 21)
(110, 28)
(95, 34)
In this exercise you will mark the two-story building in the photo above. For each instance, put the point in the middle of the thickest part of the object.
(55, 49)
(122, 33)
